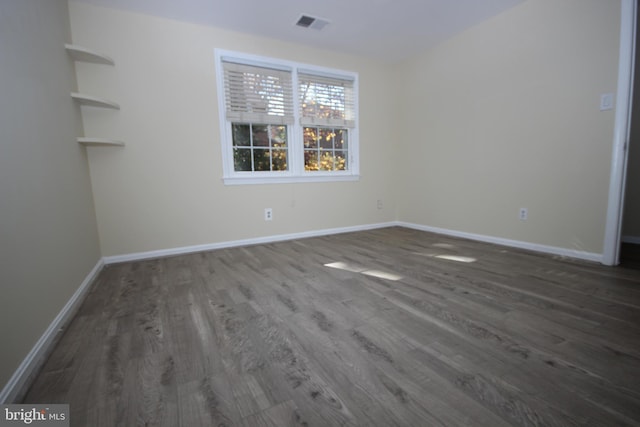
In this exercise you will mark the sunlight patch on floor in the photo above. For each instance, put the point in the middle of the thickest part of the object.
(362, 270)
(456, 258)
(448, 257)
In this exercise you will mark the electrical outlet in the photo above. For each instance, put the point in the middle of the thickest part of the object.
(379, 204)
(268, 214)
(523, 214)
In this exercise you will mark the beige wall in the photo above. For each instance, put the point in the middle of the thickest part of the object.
(48, 238)
(164, 189)
(500, 117)
(506, 115)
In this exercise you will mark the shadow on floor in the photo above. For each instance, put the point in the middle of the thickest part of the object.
(630, 256)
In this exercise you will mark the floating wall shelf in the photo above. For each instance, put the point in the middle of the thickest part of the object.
(99, 142)
(94, 101)
(83, 54)
(79, 53)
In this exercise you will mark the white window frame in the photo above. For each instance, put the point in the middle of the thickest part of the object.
(295, 159)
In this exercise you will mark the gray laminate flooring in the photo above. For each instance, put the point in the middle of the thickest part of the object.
(390, 327)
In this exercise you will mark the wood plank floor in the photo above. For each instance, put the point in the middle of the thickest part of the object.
(390, 327)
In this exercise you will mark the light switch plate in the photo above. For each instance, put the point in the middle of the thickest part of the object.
(606, 101)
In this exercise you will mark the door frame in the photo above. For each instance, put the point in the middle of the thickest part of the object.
(624, 97)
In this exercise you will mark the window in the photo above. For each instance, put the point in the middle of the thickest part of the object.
(285, 122)
(327, 112)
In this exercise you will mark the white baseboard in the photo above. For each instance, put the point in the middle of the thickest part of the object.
(631, 239)
(245, 242)
(588, 256)
(32, 363)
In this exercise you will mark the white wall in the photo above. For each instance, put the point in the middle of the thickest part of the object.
(506, 115)
(48, 235)
(164, 189)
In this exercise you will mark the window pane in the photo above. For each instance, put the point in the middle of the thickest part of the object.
(310, 137)
(241, 135)
(341, 139)
(279, 160)
(310, 160)
(326, 162)
(261, 160)
(260, 135)
(341, 161)
(278, 136)
(326, 138)
(242, 159)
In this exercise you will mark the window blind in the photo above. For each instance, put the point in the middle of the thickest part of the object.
(326, 101)
(256, 94)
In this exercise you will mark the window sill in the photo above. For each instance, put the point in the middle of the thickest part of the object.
(253, 180)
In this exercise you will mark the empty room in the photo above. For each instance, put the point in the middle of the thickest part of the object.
(338, 213)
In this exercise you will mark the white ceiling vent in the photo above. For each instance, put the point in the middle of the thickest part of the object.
(307, 21)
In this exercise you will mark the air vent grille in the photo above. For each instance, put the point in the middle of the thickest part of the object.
(306, 21)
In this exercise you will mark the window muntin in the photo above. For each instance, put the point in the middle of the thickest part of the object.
(285, 122)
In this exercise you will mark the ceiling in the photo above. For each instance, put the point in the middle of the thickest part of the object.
(384, 29)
